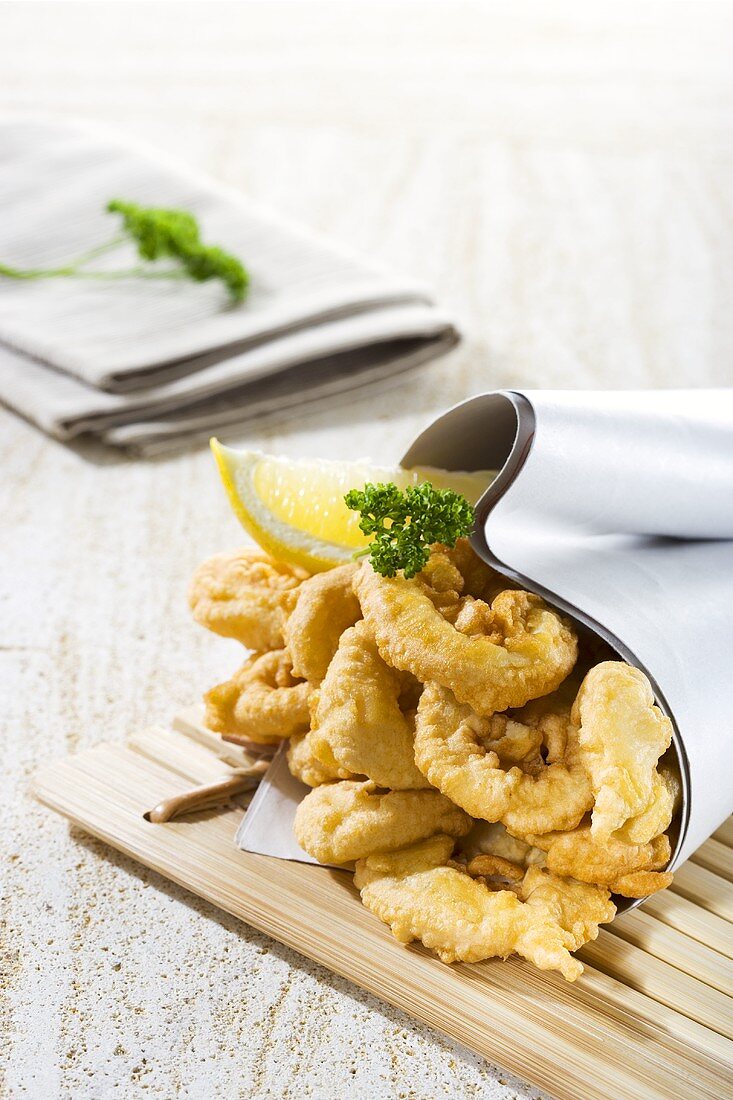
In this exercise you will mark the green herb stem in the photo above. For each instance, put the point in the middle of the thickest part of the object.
(406, 523)
(157, 233)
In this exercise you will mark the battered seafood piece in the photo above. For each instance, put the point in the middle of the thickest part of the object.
(550, 716)
(525, 649)
(421, 898)
(619, 737)
(628, 869)
(515, 743)
(479, 579)
(454, 574)
(308, 768)
(452, 749)
(488, 868)
(341, 822)
(357, 722)
(245, 595)
(263, 701)
(491, 838)
(325, 607)
(658, 815)
(491, 789)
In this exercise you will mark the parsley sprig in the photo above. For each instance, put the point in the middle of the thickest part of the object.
(158, 233)
(405, 523)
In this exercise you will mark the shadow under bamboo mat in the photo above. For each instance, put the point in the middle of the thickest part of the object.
(652, 1016)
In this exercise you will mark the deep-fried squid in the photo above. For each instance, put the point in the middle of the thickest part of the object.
(325, 606)
(245, 595)
(306, 767)
(619, 736)
(341, 822)
(491, 838)
(525, 649)
(629, 869)
(421, 898)
(451, 751)
(262, 702)
(357, 723)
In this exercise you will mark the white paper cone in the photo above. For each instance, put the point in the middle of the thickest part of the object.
(613, 506)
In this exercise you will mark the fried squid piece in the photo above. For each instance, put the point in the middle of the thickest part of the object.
(515, 743)
(658, 815)
(491, 838)
(455, 574)
(479, 579)
(325, 607)
(520, 648)
(263, 701)
(453, 751)
(550, 717)
(306, 767)
(629, 869)
(492, 868)
(577, 908)
(619, 736)
(245, 595)
(357, 722)
(460, 919)
(341, 822)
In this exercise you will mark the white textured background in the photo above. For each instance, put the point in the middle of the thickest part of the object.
(562, 174)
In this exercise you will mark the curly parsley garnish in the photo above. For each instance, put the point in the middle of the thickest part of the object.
(158, 233)
(406, 522)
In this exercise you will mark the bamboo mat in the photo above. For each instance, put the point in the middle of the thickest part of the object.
(652, 1016)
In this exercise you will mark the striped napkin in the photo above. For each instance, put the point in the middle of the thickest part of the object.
(149, 364)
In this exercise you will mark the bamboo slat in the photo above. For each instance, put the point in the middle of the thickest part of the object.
(648, 1018)
(725, 833)
(688, 917)
(715, 857)
(705, 889)
(190, 723)
(700, 961)
(186, 758)
(661, 981)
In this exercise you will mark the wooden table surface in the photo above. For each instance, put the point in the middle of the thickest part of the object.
(562, 175)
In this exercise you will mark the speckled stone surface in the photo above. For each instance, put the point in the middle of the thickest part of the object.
(562, 175)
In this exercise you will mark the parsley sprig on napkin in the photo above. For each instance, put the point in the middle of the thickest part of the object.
(158, 233)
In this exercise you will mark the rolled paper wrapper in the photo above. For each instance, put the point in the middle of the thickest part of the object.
(618, 509)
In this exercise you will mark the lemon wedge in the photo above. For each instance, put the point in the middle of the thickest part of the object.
(294, 508)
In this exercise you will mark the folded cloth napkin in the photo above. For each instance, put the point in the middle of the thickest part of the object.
(145, 363)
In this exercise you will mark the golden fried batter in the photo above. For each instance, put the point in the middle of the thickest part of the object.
(492, 790)
(525, 650)
(619, 736)
(657, 817)
(325, 606)
(491, 838)
(357, 723)
(550, 716)
(514, 743)
(262, 702)
(341, 822)
(612, 862)
(245, 595)
(479, 579)
(487, 865)
(421, 898)
(640, 884)
(308, 768)
(450, 750)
